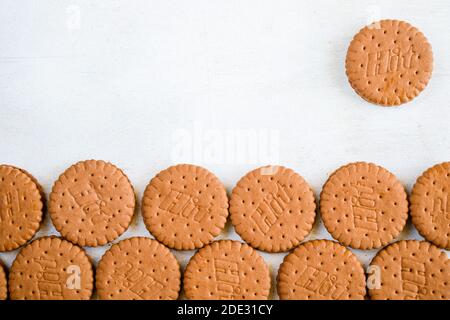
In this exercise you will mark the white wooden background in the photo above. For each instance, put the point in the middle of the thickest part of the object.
(229, 85)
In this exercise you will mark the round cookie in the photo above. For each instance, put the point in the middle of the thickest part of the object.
(430, 205)
(21, 207)
(411, 270)
(3, 284)
(321, 270)
(272, 208)
(185, 207)
(92, 203)
(227, 270)
(138, 269)
(389, 62)
(51, 268)
(363, 206)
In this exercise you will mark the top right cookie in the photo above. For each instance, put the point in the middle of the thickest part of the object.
(389, 62)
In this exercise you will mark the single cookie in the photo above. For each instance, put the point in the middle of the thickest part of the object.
(3, 284)
(430, 205)
(363, 206)
(21, 207)
(227, 270)
(51, 268)
(410, 270)
(185, 207)
(138, 269)
(389, 62)
(272, 208)
(321, 270)
(92, 203)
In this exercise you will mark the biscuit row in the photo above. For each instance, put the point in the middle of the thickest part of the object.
(141, 268)
(185, 207)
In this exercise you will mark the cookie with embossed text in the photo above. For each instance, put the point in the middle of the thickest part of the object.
(389, 62)
(185, 207)
(22, 202)
(138, 269)
(410, 270)
(363, 206)
(51, 268)
(430, 205)
(321, 270)
(3, 283)
(227, 270)
(92, 203)
(272, 208)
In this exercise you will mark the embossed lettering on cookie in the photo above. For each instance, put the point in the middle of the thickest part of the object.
(272, 208)
(92, 203)
(185, 207)
(51, 268)
(389, 62)
(227, 270)
(363, 206)
(430, 205)
(22, 201)
(410, 270)
(138, 268)
(321, 270)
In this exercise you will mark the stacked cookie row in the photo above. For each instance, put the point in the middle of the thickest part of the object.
(185, 207)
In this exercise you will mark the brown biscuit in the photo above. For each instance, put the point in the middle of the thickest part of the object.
(185, 207)
(430, 205)
(410, 270)
(227, 270)
(363, 206)
(51, 268)
(92, 203)
(3, 284)
(389, 62)
(272, 208)
(21, 207)
(138, 269)
(321, 270)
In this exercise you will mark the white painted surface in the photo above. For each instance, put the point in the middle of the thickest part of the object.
(124, 81)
